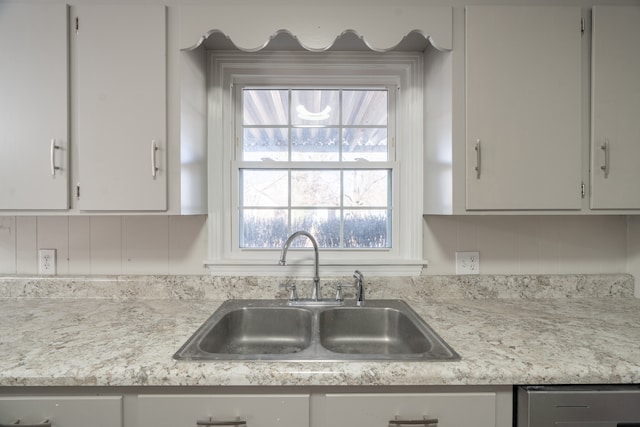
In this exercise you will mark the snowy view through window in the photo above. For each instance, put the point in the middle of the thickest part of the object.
(315, 160)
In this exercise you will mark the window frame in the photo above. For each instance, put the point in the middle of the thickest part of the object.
(401, 70)
(295, 165)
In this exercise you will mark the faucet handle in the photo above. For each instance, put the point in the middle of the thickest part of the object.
(359, 285)
(293, 294)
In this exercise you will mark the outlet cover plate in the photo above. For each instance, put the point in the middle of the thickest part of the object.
(47, 261)
(467, 262)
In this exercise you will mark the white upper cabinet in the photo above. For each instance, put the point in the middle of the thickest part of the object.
(615, 137)
(122, 109)
(524, 106)
(34, 107)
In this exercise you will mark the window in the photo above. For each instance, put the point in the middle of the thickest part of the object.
(315, 159)
(326, 142)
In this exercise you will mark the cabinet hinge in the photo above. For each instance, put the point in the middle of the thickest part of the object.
(77, 24)
(78, 191)
(582, 190)
(582, 25)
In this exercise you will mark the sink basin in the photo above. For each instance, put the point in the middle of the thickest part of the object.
(259, 330)
(374, 330)
(273, 330)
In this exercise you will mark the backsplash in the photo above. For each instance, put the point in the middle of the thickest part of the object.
(177, 245)
(420, 288)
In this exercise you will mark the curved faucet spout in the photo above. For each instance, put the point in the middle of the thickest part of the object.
(315, 296)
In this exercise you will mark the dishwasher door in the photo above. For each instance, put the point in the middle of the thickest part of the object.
(578, 406)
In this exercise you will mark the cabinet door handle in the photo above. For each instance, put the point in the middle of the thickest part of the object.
(154, 166)
(605, 167)
(210, 422)
(53, 149)
(45, 423)
(425, 421)
(478, 167)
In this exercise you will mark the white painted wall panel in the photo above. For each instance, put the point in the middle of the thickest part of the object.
(106, 245)
(188, 243)
(145, 245)
(529, 244)
(79, 245)
(8, 244)
(26, 245)
(53, 233)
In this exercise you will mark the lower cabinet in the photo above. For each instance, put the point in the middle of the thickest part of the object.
(395, 409)
(223, 410)
(304, 407)
(63, 411)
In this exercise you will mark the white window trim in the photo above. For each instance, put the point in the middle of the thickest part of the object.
(400, 68)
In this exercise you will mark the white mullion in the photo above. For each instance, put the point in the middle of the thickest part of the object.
(340, 158)
(272, 164)
(289, 156)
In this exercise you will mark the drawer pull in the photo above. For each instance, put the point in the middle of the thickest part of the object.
(478, 167)
(210, 422)
(45, 423)
(605, 167)
(154, 166)
(425, 421)
(53, 147)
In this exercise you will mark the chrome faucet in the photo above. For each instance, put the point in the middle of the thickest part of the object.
(359, 285)
(315, 295)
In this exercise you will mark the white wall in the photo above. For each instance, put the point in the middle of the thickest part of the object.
(105, 244)
(178, 244)
(529, 244)
(633, 249)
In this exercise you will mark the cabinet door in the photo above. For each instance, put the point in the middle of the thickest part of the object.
(377, 410)
(524, 106)
(33, 106)
(98, 411)
(121, 61)
(255, 410)
(615, 146)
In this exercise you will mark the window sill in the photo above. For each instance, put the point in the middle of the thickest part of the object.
(328, 269)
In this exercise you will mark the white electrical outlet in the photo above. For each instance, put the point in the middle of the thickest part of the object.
(467, 262)
(47, 261)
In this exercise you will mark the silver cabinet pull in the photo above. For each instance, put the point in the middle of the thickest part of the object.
(425, 421)
(478, 159)
(605, 167)
(210, 422)
(53, 149)
(154, 166)
(45, 423)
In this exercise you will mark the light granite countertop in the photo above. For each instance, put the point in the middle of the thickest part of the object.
(123, 331)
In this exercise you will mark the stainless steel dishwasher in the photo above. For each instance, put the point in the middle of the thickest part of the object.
(578, 406)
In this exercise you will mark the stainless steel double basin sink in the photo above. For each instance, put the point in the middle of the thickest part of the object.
(272, 330)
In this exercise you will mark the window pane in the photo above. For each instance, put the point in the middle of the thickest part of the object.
(315, 144)
(366, 188)
(367, 229)
(341, 206)
(265, 143)
(263, 228)
(315, 188)
(364, 107)
(323, 224)
(315, 107)
(264, 187)
(365, 143)
(265, 107)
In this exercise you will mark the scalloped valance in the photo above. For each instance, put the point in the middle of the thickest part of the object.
(251, 28)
